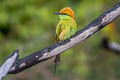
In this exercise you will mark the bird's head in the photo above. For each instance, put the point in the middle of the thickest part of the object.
(65, 13)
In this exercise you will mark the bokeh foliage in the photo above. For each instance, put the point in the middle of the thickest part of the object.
(29, 25)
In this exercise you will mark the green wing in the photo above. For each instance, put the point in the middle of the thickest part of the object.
(64, 30)
(58, 31)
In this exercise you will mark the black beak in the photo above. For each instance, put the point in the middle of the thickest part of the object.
(58, 13)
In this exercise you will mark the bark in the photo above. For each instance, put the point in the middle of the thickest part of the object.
(57, 48)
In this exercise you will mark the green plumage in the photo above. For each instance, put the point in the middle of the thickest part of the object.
(65, 28)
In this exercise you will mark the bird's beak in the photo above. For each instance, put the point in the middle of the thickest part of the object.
(58, 13)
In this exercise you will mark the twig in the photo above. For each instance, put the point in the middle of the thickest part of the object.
(61, 46)
(112, 46)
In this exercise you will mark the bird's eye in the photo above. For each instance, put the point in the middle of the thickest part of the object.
(65, 14)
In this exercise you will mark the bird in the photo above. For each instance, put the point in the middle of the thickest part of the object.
(65, 28)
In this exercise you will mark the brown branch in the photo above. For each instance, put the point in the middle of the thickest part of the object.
(8, 64)
(61, 46)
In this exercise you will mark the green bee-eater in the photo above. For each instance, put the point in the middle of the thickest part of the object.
(65, 28)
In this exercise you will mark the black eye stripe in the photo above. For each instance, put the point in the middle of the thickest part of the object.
(57, 13)
(65, 14)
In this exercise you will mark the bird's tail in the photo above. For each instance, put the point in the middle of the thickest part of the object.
(57, 60)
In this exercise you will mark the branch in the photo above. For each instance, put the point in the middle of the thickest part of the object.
(61, 46)
(8, 64)
(112, 46)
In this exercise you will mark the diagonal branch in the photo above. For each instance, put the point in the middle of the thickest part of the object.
(61, 46)
(8, 64)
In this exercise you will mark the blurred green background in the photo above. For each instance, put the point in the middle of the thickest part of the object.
(29, 25)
